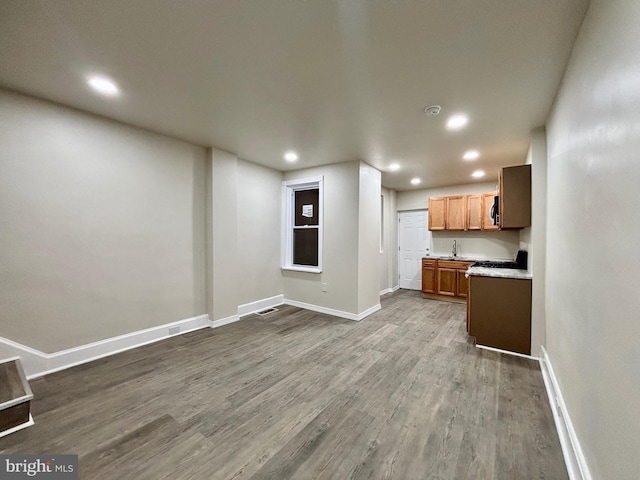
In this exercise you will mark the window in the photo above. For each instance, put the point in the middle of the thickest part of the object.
(302, 239)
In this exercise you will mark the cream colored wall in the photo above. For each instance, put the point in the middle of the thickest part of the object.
(533, 239)
(419, 199)
(389, 254)
(224, 235)
(592, 281)
(341, 229)
(483, 244)
(368, 238)
(259, 218)
(245, 233)
(102, 226)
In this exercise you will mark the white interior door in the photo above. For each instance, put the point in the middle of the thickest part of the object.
(414, 239)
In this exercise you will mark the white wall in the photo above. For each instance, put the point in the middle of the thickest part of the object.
(224, 235)
(340, 255)
(245, 233)
(259, 218)
(102, 226)
(534, 239)
(389, 253)
(476, 244)
(592, 283)
(419, 199)
(369, 238)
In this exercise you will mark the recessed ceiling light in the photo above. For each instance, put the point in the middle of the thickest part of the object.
(291, 156)
(457, 121)
(478, 174)
(471, 154)
(394, 166)
(415, 181)
(103, 85)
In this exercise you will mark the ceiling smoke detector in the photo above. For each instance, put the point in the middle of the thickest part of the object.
(432, 111)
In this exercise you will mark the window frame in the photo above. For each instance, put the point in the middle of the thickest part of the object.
(289, 187)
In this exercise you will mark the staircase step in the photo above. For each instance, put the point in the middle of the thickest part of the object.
(15, 397)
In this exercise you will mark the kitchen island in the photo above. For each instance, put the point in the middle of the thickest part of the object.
(499, 308)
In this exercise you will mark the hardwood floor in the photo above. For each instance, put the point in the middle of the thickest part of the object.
(295, 394)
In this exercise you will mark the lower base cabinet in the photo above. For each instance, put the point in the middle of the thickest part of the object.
(445, 277)
(447, 282)
(499, 313)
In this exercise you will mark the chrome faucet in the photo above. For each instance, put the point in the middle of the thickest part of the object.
(455, 249)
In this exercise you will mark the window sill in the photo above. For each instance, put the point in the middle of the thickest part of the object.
(294, 268)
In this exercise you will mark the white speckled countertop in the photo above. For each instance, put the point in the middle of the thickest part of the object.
(466, 259)
(498, 272)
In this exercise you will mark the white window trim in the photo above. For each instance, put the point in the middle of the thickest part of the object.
(288, 189)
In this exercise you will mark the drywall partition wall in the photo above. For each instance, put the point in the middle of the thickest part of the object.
(244, 234)
(475, 244)
(393, 241)
(102, 226)
(389, 250)
(419, 199)
(592, 283)
(534, 239)
(258, 220)
(340, 256)
(224, 235)
(369, 238)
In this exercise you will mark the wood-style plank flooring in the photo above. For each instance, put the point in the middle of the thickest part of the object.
(295, 394)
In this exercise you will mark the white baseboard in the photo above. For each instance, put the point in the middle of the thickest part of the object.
(257, 306)
(37, 363)
(369, 311)
(574, 458)
(389, 290)
(331, 311)
(223, 321)
(507, 352)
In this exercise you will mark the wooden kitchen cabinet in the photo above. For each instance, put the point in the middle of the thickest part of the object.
(474, 212)
(445, 277)
(461, 283)
(446, 281)
(487, 203)
(456, 212)
(499, 313)
(429, 276)
(515, 196)
(438, 213)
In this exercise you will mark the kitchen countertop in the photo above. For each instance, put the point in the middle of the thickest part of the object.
(498, 272)
(466, 259)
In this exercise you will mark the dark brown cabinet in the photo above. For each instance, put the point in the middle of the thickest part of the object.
(499, 313)
(515, 196)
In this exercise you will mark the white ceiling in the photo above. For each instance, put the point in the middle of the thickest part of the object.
(333, 80)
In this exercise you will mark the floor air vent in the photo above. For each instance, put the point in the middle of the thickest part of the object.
(267, 311)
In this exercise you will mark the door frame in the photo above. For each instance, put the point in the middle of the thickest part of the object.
(399, 256)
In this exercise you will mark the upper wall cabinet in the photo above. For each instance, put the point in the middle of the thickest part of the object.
(474, 212)
(515, 197)
(438, 213)
(487, 203)
(457, 213)
(448, 213)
